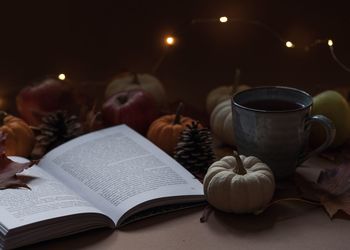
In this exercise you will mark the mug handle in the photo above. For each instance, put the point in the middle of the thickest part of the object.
(330, 134)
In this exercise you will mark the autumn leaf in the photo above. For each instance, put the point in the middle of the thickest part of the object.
(9, 168)
(8, 171)
(332, 189)
(338, 155)
(3, 137)
(91, 118)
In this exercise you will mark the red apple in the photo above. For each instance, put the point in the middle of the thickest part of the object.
(135, 108)
(34, 102)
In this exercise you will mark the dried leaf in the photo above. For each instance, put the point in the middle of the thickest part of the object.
(336, 181)
(208, 209)
(3, 137)
(332, 189)
(338, 155)
(91, 118)
(8, 171)
(336, 184)
(333, 204)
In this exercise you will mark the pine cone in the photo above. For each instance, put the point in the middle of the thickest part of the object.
(194, 149)
(55, 129)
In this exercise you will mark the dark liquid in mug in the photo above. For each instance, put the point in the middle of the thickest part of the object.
(272, 105)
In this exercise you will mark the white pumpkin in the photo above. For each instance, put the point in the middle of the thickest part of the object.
(239, 184)
(146, 82)
(222, 93)
(221, 122)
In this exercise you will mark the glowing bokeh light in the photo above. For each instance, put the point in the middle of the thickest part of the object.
(330, 43)
(62, 76)
(223, 19)
(169, 40)
(289, 44)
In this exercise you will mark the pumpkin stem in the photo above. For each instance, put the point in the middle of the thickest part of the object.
(3, 114)
(178, 113)
(237, 80)
(136, 79)
(239, 169)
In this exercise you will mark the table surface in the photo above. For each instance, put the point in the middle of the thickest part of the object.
(286, 225)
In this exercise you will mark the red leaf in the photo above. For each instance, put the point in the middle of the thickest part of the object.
(8, 171)
(332, 189)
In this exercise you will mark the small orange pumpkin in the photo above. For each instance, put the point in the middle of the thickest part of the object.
(165, 131)
(19, 136)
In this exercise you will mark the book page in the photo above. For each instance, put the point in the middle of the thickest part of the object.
(46, 199)
(117, 169)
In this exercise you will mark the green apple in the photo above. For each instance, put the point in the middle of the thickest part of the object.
(333, 105)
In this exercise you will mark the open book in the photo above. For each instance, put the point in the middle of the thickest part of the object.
(101, 179)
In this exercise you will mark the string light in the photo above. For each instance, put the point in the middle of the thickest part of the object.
(170, 41)
(334, 56)
(61, 76)
(256, 23)
(330, 44)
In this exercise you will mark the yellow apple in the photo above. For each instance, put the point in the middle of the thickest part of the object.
(333, 105)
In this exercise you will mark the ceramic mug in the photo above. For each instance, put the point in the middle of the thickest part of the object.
(273, 123)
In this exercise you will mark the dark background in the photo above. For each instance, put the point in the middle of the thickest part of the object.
(91, 41)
